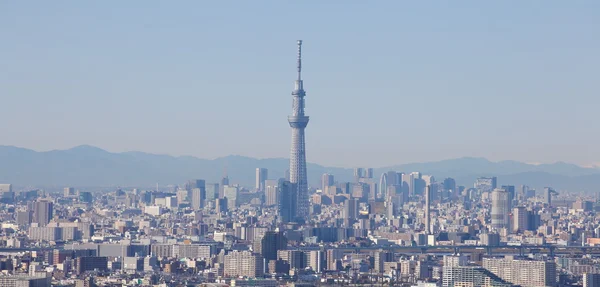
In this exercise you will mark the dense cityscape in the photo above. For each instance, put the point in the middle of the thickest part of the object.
(399, 228)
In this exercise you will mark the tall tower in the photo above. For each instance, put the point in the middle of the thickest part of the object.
(298, 122)
(500, 213)
(427, 210)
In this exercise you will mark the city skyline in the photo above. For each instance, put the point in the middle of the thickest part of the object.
(496, 90)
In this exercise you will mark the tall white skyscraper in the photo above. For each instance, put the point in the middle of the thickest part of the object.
(262, 174)
(500, 214)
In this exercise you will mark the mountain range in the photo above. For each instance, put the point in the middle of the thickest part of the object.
(88, 166)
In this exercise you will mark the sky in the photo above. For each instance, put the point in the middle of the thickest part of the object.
(387, 82)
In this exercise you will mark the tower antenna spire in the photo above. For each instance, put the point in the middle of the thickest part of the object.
(299, 60)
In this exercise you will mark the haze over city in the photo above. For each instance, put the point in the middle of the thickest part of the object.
(303, 144)
(387, 83)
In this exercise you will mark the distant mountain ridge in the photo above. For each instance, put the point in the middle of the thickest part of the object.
(92, 166)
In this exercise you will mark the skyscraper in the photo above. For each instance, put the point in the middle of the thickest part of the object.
(500, 209)
(520, 219)
(198, 190)
(298, 122)
(272, 242)
(69, 191)
(427, 211)
(262, 174)
(287, 205)
(383, 184)
(271, 192)
(326, 181)
(548, 191)
(42, 212)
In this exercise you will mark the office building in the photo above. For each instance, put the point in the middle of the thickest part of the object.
(221, 205)
(511, 193)
(591, 280)
(351, 209)
(316, 260)
(262, 174)
(69, 192)
(523, 272)
(42, 212)
(287, 202)
(197, 188)
(298, 122)
(271, 192)
(500, 213)
(243, 263)
(24, 217)
(520, 219)
(271, 242)
(91, 263)
(380, 257)
(212, 191)
(383, 185)
(486, 184)
(5, 187)
(428, 229)
(327, 180)
(295, 258)
(231, 193)
(547, 197)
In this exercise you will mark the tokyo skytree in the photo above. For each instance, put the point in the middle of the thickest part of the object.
(298, 122)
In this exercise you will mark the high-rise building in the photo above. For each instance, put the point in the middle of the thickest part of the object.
(91, 263)
(298, 122)
(198, 197)
(262, 174)
(212, 191)
(486, 184)
(359, 173)
(69, 192)
(316, 260)
(369, 173)
(287, 202)
(591, 280)
(523, 272)
(500, 214)
(471, 276)
(351, 211)
(6, 193)
(24, 217)
(383, 185)
(221, 205)
(449, 184)
(380, 258)
(296, 258)
(327, 180)
(520, 219)
(224, 182)
(243, 263)
(272, 242)
(511, 192)
(231, 192)
(43, 212)
(455, 260)
(25, 281)
(548, 192)
(427, 210)
(271, 192)
(5, 187)
(408, 183)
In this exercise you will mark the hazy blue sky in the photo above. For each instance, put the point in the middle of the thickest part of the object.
(387, 81)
